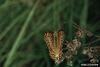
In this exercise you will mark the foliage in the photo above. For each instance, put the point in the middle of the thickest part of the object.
(24, 22)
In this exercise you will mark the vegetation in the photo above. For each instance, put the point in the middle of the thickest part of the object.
(24, 22)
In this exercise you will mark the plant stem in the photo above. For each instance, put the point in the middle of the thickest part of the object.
(71, 20)
(20, 36)
(83, 18)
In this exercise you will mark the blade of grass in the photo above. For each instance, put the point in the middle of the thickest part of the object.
(8, 42)
(39, 23)
(46, 56)
(40, 28)
(47, 11)
(7, 45)
(71, 20)
(20, 36)
(35, 64)
(55, 24)
(59, 5)
(36, 31)
(26, 58)
(13, 23)
(83, 18)
(1, 25)
(5, 5)
(95, 27)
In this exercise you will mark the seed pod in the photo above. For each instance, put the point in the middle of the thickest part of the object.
(73, 45)
(80, 33)
(93, 53)
(72, 48)
(94, 60)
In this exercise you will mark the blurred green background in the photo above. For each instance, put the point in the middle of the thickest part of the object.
(24, 22)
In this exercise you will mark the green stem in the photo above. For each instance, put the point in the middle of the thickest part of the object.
(56, 16)
(84, 13)
(83, 18)
(13, 23)
(40, 27)
(71, 20)
(20, 36)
